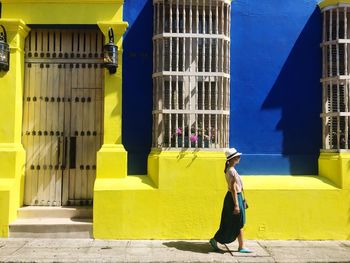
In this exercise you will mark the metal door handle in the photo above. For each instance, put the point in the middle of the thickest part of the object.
(58, 150)
(72, 152)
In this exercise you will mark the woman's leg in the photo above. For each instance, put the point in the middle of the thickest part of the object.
(240, 240)
(241, 247)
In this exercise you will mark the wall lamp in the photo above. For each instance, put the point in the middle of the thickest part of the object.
(4, 50)
(110, 51)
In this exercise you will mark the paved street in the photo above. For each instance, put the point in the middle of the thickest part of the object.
(85, 250)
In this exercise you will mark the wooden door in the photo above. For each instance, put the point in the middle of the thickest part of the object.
(62, 118)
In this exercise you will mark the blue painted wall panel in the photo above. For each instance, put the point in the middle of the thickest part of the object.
(275, 88)
(137, 84)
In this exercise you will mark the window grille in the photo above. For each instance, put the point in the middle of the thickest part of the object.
(191, 73)
(336, 77)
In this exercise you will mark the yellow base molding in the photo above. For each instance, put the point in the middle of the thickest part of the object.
(181, 204)
(182, 198)
(296, 207)
(5, 186)
(335, 167)
(112, 161)
(12, 159)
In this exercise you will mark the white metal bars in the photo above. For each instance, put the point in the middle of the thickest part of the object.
(191, 73)
(335, 78)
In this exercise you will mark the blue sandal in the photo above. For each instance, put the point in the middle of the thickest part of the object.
(245, 250)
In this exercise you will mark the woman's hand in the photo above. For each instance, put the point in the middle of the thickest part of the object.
(236, 210)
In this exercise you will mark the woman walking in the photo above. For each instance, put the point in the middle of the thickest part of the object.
(233, 212)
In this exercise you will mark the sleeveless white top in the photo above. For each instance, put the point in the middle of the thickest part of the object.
(230, 174)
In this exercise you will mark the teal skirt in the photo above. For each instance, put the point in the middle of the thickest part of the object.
(231, 223)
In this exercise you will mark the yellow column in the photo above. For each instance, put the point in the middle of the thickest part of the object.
(12, 154)
(112, 157)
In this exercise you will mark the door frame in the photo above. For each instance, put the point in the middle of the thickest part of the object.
(76, 69)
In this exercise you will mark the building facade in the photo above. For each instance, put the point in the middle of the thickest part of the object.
(144, 146)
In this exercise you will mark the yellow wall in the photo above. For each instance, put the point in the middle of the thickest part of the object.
(15, 15)
(63, 11)
(296, 207)
(177, 205)
(183, 193)
(182, 199)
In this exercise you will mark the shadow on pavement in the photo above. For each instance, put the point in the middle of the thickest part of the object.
(198, 247)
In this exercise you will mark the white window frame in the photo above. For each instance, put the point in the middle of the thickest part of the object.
(336, 78)
(194, 56)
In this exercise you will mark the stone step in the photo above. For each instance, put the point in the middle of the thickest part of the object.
(54, 212)
(51, 228)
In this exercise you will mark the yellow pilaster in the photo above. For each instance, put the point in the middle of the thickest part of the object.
(112, 157)
(12, 154)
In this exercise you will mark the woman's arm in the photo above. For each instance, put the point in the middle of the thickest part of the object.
(236, 209)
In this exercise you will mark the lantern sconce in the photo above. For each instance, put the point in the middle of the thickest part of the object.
(110, 51)
(4, 50)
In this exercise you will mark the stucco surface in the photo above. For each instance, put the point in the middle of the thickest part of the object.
(275, 85)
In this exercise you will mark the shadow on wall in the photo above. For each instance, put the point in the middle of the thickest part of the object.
(297, 92)
(137, 84)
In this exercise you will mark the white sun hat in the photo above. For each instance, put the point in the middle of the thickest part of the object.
(231, 153)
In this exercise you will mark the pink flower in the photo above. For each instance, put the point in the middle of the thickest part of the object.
(178, 131)
(193, 138)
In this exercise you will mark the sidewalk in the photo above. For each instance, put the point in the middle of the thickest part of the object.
(88, 250)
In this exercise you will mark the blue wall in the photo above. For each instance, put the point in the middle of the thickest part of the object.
(275, 88)
(137, 84)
